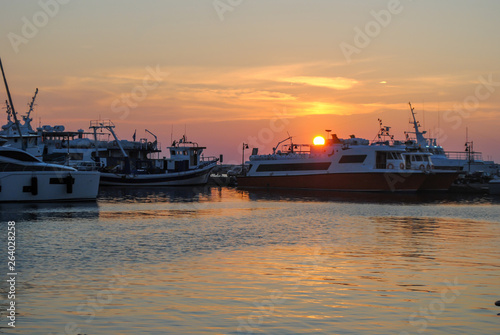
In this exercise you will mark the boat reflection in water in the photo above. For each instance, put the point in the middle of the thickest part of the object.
(42, 211)
(417, 198)
(170, 194)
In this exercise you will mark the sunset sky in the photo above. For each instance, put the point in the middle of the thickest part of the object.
(234, 71)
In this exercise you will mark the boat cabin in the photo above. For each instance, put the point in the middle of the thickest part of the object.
(184, 156)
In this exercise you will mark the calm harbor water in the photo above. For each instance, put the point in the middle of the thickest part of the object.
(214, 260)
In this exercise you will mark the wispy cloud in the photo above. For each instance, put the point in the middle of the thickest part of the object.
(338, 83)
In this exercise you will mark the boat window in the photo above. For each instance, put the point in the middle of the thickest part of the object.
(19, 155)
(78, 156)
(413, 158)
(293, 167)
(11, 167)
(172, 152)
(394, 155)
(352, 159)
(381, 160)
(419, 158)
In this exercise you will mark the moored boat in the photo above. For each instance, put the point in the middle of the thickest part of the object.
(437, 179)
(342, 165)
(467, 162)
(186, 166)
(23, 177)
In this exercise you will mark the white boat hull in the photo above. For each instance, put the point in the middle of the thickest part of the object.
(48, 186)
(192, 177)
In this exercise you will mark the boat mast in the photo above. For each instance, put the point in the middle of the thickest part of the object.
(32, 104)
(419, 135)
(8, 111)
(12, 107)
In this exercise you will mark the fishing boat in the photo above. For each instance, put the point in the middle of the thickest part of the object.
(121, 162)
(186, 166)
(335, 164)
(24, 177)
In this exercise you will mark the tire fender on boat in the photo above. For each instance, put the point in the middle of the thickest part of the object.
(422, 167)
(401, 166)
(390, 166)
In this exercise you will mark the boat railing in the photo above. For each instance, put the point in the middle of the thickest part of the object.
(280, 156)
(85, 166)
(295, 149)
(101, 124)
(465, 156)
(137, 145)
(208, 160)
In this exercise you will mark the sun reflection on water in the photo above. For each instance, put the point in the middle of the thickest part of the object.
(225, 261)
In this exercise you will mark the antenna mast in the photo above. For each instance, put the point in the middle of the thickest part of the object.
(32, 103)
(12, 107)
(418, 134)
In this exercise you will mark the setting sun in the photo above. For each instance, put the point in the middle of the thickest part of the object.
(319, 140)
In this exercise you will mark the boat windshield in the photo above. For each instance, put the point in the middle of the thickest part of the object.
(18, 155)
